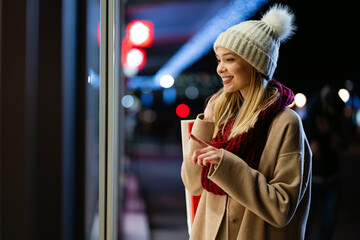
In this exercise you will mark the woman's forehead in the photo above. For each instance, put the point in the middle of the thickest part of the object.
(221, 51)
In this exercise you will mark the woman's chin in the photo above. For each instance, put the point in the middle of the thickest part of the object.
(229, 89)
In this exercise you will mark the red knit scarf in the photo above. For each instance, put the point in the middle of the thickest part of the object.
(249, 145)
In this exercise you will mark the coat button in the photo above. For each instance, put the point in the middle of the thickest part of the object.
(235, 220)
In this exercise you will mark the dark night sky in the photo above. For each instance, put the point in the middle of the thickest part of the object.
(325, 47)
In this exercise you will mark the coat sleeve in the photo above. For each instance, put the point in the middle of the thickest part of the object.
(274, 198)
(190, 173)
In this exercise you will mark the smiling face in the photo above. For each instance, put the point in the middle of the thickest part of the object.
(234, 71)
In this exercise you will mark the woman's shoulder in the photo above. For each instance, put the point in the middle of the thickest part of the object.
(287, 117)
(287, 131)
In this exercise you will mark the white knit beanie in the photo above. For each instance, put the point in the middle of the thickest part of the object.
(258, 42)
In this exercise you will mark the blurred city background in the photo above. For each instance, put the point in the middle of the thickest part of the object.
(93, 91)
(320, 54)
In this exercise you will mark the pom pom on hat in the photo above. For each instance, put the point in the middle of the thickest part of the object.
(258, 41)
(281, 20)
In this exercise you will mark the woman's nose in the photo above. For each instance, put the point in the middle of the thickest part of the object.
(220, 68)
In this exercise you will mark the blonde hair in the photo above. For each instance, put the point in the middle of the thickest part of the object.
(245, 112)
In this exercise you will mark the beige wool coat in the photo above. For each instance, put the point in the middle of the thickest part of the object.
(269, 203)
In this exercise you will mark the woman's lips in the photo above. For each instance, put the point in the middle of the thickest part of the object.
(227, 80)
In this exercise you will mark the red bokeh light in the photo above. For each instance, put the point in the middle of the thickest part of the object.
(139, 35)
(182, 110)
(136, 58)
(142, 31)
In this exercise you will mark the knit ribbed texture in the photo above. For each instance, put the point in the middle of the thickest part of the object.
(255, 42)
(248, 146)
(258, 41)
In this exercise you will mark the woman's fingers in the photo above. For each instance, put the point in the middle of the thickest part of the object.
(205, 156)
(210, 160)
(196, 154)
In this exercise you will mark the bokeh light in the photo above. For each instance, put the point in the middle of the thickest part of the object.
(291, 104)
(182, 110)
(127, 101)
(130, 72)
(135, 58)
(169, 95)
(344, 95)
(191, 92)
(300, 100)
(167, 81)
(148, 116)
(139, 33)
(357, 118)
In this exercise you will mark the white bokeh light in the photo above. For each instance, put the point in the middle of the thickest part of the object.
(167, 81)
(134, 58)
(127, 101)
(139, 33)
(300, 100)
(344, 95)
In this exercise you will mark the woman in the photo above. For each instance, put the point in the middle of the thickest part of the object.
(248, 157)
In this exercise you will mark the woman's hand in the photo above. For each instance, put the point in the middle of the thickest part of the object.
(206, 155)
(209, 110)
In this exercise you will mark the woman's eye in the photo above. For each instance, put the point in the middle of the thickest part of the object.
(230, 59)
(218, 60)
